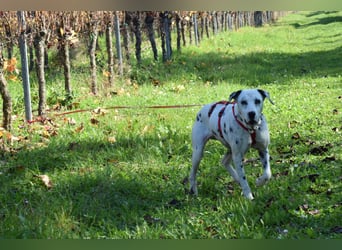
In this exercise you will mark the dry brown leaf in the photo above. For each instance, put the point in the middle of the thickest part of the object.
(100, 111)
(112, 139)
(115, 161)
(70, 121)
(79, 129)
(94, 121)
(45, 179)
(147, 129)
(314, 212)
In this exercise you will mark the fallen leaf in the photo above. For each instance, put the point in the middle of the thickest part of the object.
(165, 177)
(150, 219)
(296, 136)
(304, 207)
(100, 111)
(147, 129)
(45, 134)
(79, 129)
(45, 179)
(314, 212)
(336, 129)
(111, 139)
(71, 121)
(105, 73)
(292, 124)
(75, 105)
(114, 161)
(94, 121)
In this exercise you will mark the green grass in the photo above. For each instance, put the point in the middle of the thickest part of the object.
(123, 173)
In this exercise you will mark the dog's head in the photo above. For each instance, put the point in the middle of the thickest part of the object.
(249, 105)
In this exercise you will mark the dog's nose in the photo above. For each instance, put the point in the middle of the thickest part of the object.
(251, 115)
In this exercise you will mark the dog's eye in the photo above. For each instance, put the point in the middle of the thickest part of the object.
(244, 103)
(257, 101)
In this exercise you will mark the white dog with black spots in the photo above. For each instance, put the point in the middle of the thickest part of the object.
(238, 125)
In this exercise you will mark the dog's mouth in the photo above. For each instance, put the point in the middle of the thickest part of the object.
(253, 123)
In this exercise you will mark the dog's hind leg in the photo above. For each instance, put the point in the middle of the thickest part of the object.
(227, 162)
(200, 136)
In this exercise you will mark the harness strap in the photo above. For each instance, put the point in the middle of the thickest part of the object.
(214, 106)
(220, 114)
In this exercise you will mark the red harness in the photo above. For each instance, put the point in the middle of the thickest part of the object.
(220, 114)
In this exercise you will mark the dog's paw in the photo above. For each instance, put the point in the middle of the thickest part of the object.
(260, 181)
(193, 191)
(248, 195)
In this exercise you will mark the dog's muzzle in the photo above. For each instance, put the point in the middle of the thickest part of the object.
(252, 122)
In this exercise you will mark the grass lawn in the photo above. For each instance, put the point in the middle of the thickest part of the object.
(122, 173)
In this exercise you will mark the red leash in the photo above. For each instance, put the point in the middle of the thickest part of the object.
(133, 107)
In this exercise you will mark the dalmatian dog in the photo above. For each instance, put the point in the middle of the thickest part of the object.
(238, 125)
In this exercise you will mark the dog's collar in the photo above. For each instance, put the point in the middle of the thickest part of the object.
(250, 131)
(220, 114)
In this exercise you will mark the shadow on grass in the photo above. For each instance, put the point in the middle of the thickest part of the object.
(101, 186)
(323, 20)
(100, 189)
(251, 69)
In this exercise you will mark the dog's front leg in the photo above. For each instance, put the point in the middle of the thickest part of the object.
(265, 160)
(237, 158)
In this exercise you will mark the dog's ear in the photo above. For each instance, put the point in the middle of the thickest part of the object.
(265, 94)
(234, 95)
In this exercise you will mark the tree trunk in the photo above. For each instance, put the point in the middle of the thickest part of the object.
(118, 42)
(66, 66)
(166, 23)
(31, 58)
(149, 25)
(126, 35)
(39, 42)
(46, 58)
(64, 45)
(92, 55)
(6, 98)
(137, 33)
(194, 18)
(240, 19)
(109, 45)
(24, 65)
(230, 21)
(218, 21)
(183, 31)
(190, 30)
(162, 36)
(10, 43)
(178, 28)
(258, 18)
(214, 22)
(206, 25)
